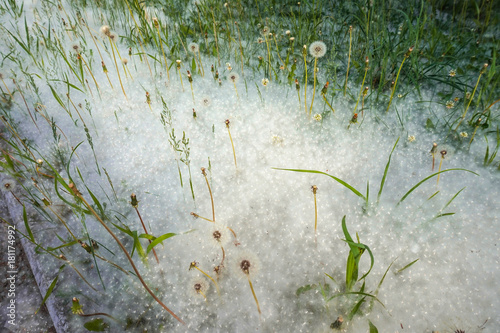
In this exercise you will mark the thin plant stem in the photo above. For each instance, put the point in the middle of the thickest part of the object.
(314, 190)
(254, 296)
(362, 87)
(117, 69)
(203, 171)
(232, 144)
(348, 59)
(472, 96)
(407, 55)
(304, 52)
(195, 265)
(314, 85)
(79, 196)
(156, 24)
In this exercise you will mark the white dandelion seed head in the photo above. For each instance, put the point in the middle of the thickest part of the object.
(260, 40)
(219, 235)
(233, 77)
(206, 101)
(125, 61)
(197, 287)
(245, 264)
(75, 47)
(105, 30)
(265, 31)
(292, 39)
(7, 184)
(287, 32)
(193, 47)
(317, 49)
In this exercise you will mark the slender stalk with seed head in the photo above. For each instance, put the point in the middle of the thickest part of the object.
(116, 64)
(157, 26)
(234, 77)
(25, 103)
(304, 53)
(232, 144)
(77, 194)
(194, 264)
(483, 70)
(362, 84)
(443, 154)
(178, 62)
(135, 203)
(433, 153)
(247, 265)
(317, 50)
(478, 123)
(407, 55)
(190, 79)
(348, 59)
(148, 101)
(314, 189)
(365, 92)
(203, 171)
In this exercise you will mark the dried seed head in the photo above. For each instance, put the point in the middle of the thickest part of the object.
(198, 287)
(246, 264)
(193, 47)
(233, 77)
(8, 184)
(133, 200)
(317, 49)
(125, 61)
(105, 30)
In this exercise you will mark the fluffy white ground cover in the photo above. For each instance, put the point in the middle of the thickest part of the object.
(454, 284)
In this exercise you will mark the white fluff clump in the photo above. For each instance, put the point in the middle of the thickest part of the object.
(245, 264)
(317, 49)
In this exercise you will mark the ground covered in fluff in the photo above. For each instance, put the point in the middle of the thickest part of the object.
(243, 130)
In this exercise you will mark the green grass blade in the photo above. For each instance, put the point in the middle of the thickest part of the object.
(429, 177)
(373, 329)
(340, 181)
(407, 266)
(159, 240)
(50, 289)
(26, 224)
(382, 183)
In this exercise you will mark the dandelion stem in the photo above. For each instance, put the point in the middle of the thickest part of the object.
(210, 191)
(146, 231)
(254, 296)
(208, 276)
(232, 144)
(472, 96)
(305, 82)
(117, 69)
(162, 51)
(314, 85)
(348, 59)
(407, 55)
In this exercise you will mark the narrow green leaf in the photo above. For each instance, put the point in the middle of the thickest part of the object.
(382, 183)
(26, 224)
(373, 329)
(407, 266)
(96, 325)
(50, 289)
(355, 309)
(340, 181)
(303, 289)
(429, 177)
(158, 240)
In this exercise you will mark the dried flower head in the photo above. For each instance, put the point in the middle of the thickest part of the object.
(260, 40)
(233, 77)
(317, 49)
(411, 138)
(246, 264)
(287, 32)
(193, 47)
(198, 287)
(450, 104)
(317, 117)
(219, 235)
(464, 134)
(125, 61)
(265, 31)
(105, 30)
(265, 82)
(8, 184)
(75, 47)
(452, 73)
